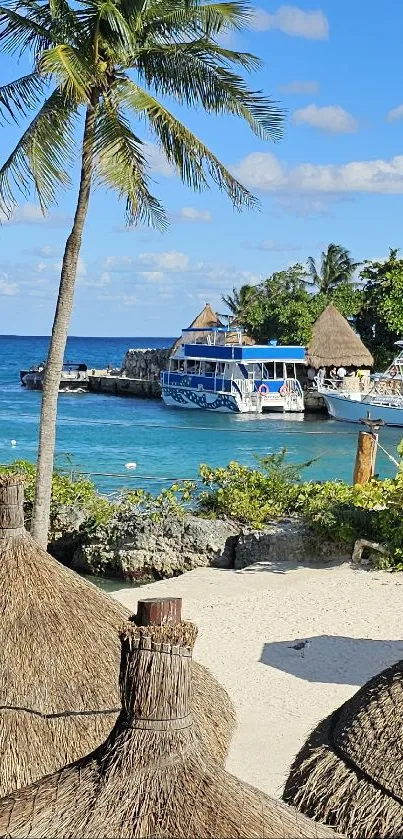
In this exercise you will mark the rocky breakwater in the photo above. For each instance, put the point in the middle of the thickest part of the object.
(138, 376)
(143, 548)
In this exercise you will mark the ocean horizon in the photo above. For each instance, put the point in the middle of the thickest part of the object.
(100, 434)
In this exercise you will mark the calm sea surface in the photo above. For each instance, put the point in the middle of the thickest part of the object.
(103, 433)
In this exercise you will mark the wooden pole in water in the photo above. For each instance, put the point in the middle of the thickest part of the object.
(159, 611)
(365, 458)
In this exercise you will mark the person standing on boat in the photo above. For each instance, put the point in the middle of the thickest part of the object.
(321, 375)
(311, 376)
(341, 374)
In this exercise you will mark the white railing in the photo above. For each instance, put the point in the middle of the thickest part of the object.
(294, 398)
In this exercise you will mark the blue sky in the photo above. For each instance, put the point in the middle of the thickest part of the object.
(337, 175)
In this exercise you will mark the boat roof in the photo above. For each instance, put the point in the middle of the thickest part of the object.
(257, 353)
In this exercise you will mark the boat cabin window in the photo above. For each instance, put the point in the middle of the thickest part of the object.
(268, 371)
(210, 368)
(290, 371)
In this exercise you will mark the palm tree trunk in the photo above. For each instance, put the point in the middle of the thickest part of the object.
(54, 363)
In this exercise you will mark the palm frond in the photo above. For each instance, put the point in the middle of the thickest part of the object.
(313, 270)
(19, 33)
(120, 164)
(70, 70)
(192, 74)
(194, 162)
(17, 98)
(168, 19)
(41, 156)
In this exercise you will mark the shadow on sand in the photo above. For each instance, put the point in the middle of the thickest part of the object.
(332, 659)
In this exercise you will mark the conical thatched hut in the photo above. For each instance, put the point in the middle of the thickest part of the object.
(153, 777)
(349, 772)
(59, 659)
(334, 343)
(206, 319)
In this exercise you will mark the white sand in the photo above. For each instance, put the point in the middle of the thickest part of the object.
(246, 621)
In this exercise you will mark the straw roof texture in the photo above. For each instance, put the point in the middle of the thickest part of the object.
(153, 777)
(206, 319)
(59, 662)
(348, 774)
(335, 343)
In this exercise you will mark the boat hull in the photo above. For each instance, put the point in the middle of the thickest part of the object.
(205, 400)
(352, 410)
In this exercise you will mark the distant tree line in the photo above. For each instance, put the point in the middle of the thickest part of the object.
(285, 306)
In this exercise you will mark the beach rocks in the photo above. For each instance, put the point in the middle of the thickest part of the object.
(144, 548)
(145, 364)
(287, 541)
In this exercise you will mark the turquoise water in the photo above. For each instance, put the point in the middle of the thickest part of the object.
(103, 433)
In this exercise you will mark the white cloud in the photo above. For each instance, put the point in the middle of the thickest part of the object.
(395, 114)
(264, 172)
(32, 214)
(331, 118)
(273, 246)
(192, 216)
(300, 87)
(152, 276)
(7, 289)
(157, 160)
(44, 251)
(165, 261)
(293, 21)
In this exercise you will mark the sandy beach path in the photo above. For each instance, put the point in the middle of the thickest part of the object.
(247, 621)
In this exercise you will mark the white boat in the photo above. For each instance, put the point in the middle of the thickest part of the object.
(213, 371)
(383, 400)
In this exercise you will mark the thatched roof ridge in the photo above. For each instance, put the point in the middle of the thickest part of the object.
(208, 318)
(335, 343)
(348, 773)
(153, 777)
(59, 660)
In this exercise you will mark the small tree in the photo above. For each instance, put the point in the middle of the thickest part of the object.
(380, 320)
(106, 62)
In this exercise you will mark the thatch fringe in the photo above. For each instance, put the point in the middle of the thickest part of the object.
(153, 777)
(335, 343)
(327, 788)
(59, 663)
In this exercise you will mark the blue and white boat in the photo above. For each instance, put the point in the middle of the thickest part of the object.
(382, 400)
(213, 370)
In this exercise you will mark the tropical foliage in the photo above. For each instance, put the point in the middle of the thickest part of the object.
(108, 68)
(380, 319)
(336, 268)
(285, 306)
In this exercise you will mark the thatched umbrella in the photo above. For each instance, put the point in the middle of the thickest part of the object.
(349, 772)
(59, 659)
(204, 320)
(153, 777)
(334, 343)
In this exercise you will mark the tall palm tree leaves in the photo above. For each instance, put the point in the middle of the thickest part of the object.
(85, 51)
(191, 158)
(120, 164)
(42, 156)
(336, 267)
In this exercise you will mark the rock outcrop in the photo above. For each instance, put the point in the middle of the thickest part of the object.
(145, 364)
(142, 548)
(287, 541)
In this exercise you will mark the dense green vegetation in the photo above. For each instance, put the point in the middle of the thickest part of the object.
(253, 496)
(285, 305)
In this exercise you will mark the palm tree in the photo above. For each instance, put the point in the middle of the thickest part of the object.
(107, 62)
(336, 267)
(236, 301)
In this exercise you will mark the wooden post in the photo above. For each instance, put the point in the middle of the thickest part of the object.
(159, 611)
(11, 507)
(365, 458)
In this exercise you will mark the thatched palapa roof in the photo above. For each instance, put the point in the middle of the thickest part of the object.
(206, 319)
(335, 343)
(59, 659)
(153, 777)
(348, 773)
